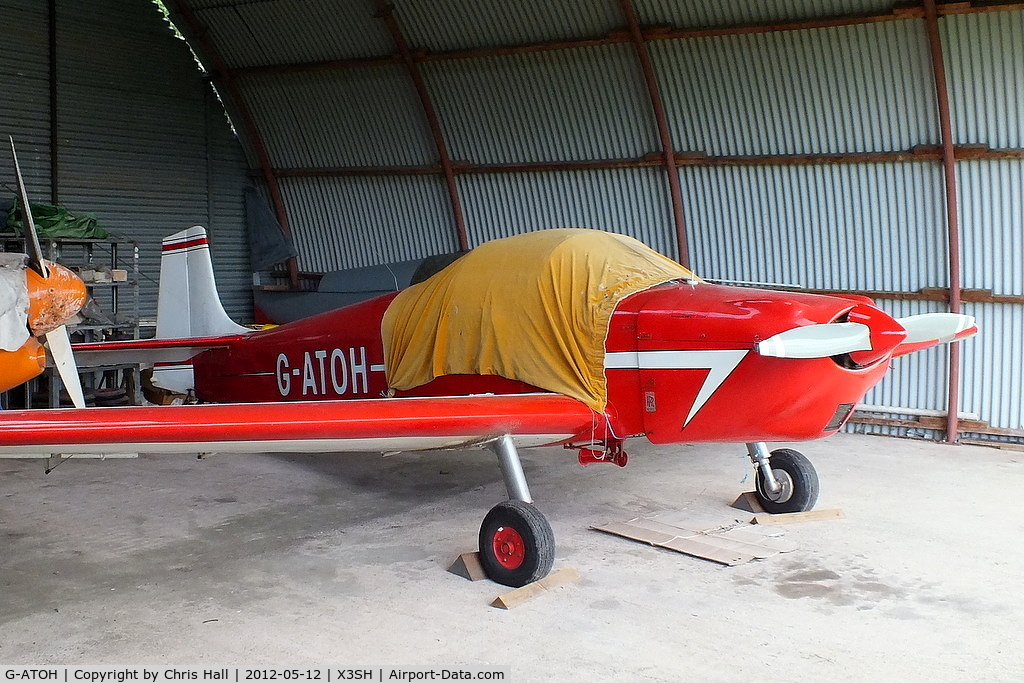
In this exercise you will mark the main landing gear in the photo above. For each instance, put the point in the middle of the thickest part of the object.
(786, 480)
(517, 545)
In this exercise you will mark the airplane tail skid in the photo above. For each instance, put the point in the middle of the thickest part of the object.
(188, 304)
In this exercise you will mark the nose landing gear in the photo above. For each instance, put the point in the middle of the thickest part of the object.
(785, 480)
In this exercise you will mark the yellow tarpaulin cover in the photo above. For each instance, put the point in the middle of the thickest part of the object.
(533, 307)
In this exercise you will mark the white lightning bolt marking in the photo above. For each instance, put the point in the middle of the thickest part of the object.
(719, 363)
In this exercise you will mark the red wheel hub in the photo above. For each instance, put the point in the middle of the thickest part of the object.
(509, 547)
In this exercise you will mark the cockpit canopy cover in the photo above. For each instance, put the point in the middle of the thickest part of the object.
(534, 307)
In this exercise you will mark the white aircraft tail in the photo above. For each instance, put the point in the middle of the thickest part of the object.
(188, 304)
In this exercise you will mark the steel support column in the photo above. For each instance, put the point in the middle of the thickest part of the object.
(667, 149)
(952, 209)
(384, 10)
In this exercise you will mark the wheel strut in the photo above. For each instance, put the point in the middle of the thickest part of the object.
(759, 455)
(517, 545)
(511, 469)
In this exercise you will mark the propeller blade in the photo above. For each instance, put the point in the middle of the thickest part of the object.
(817, 341)
(935, 327)
(35, 253)
(60, 352)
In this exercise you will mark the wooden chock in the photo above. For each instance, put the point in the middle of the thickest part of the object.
(467, 565)
(531, 590)
(748, 502)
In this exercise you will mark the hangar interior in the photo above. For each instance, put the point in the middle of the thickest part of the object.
(831, 145)
(849, 145)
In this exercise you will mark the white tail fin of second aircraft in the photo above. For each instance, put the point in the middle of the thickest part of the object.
(188, 305)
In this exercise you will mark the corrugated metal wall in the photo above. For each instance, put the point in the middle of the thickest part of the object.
(627, 201)
(24, 106)
(363, 221)
(859, 88)
(703, 14)
(143, 143)
(292, 31)
(323, 119)
(225, 218)
(569, 105)
(985, 61)
(850, 226)
(442, 25)
(993, 372)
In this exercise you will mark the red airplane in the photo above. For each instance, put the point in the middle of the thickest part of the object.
(573, 337)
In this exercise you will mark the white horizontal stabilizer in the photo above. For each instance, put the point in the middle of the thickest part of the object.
(938, 327)
(817, 341)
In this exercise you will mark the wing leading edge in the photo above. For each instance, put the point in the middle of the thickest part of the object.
(396, 424)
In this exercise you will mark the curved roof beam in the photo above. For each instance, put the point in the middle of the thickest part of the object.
(900, 13)
(248, 130)
(664, 135)
(386, 12)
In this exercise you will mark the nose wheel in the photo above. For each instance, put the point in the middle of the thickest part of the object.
(791, 486)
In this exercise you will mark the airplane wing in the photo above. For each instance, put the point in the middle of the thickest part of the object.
(148, 351)
(373, 425)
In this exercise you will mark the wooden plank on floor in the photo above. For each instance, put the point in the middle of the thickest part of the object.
(531, 590)
(793, 517)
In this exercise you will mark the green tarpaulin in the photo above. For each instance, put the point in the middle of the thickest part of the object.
(56, 221)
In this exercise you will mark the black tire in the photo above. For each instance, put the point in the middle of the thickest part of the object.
(799, 483)
(517, 545)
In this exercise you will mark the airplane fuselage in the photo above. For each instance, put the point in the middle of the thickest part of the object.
(681, 365)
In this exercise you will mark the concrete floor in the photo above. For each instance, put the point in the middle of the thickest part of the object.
(340, 560)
